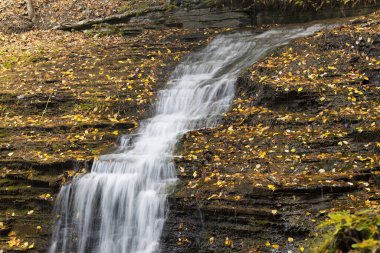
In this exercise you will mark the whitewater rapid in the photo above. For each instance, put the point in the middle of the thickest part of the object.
(121, 205)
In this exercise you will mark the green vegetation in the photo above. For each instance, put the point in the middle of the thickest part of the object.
(357, 232)
(11, 56)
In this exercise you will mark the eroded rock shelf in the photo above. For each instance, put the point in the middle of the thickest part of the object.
(301, 139)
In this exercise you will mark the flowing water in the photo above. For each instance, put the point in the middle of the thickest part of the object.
(121, 205)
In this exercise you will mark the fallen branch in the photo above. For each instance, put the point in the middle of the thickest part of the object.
(114, 19)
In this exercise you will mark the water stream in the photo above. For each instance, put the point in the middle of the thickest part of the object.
(121, 205)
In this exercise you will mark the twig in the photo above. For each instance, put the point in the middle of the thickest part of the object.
(47, 103)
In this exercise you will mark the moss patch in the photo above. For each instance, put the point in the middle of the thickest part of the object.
(350, 232)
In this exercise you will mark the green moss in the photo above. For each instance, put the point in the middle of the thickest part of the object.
(9, 60)
(104, 30)
(262, 222)
(171, 7)
(14, 188)
(10, 57)
(5, 182)
(343, 232)
(3, 133)
(134, 5)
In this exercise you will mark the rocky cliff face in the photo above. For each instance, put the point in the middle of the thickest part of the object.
(227, 13)
(207, 14)
(65, 97)
(158, 14)
(301, 141)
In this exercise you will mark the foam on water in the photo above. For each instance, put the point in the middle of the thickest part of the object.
(121, 205)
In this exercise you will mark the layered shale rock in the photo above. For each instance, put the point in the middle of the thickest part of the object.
(301, 141)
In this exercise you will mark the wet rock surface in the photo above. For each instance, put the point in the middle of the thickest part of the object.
(130, 17)
(300, 141)
(65, 97)
(207, 15)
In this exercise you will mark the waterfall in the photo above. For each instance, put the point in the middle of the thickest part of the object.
(121, 205)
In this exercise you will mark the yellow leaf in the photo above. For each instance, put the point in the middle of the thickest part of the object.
(272, 187)
(300, 89)
(229, 242)
(262, 154)
(212, 196)
(207, 179)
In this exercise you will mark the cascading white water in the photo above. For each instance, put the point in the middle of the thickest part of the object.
(120, 207)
